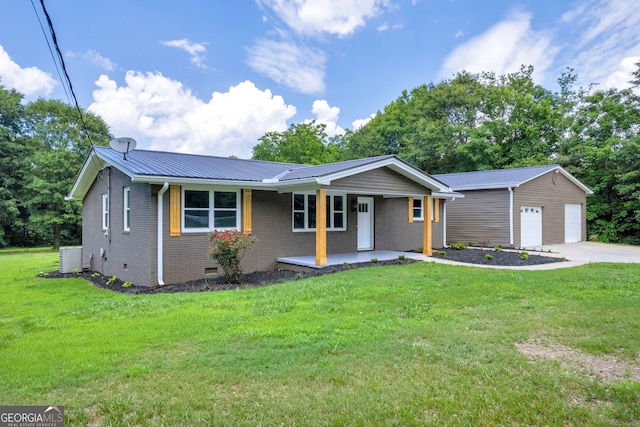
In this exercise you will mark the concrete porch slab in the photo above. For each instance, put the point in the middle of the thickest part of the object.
(349, 258)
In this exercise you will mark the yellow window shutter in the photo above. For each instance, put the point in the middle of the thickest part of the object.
(246, 211)
(436, 214)
(410, 214)
(174, 210)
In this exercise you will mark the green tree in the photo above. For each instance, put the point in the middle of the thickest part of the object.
(14, 152)
(385, 134)
(444, 118)
(63, 142)
(602, 148)
(635, 76)
(520, 118)
(304, 143)
(471, 122)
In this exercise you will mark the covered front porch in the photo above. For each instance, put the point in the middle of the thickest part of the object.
(306, 262)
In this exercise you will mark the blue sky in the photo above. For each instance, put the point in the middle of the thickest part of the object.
(213, 76)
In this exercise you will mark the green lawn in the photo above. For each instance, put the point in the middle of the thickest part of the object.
(419, 344)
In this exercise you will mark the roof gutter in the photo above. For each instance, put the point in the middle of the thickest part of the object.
(164, 188)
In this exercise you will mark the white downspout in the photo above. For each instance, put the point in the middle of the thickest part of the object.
(511, 216)
(160, 244)
(444, 223)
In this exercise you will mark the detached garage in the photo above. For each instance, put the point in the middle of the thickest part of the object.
(520, 207)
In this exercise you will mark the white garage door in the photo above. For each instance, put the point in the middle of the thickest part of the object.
(572, 222)
(530, 226)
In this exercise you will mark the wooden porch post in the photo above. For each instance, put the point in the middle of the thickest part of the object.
(321, 227)
(246, 211)
(426, 244)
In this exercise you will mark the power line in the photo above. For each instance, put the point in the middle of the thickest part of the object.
(54, 39)
(55, 63)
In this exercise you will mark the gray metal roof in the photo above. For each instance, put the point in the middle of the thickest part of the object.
(329, 168)
(158, 167)
(499, 178)
(179, 165)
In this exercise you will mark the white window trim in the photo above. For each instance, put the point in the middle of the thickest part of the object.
(126, 208)
(211, 209)
(421, 216)
(105, 211)
(433, 209)
(331, 195)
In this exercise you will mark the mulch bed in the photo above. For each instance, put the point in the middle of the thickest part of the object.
(264, 278)
(249, 280)
(503, 258)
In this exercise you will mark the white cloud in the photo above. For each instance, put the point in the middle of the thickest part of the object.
(622, 76)
(195, 50)
(99, 60)
(298, 67)
(502, 49)
(95, 58)
(164, 115)
(358, 123)
(30, 81)
(385, 27)
(327, 115)
(337, 17)
(608, 34)
(301, 67)
(459, 34)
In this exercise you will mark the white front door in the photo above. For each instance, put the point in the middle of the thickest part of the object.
(365, 223)
(572, 222)
(530, 226)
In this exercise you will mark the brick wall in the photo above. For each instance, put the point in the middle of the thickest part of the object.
(127, 254)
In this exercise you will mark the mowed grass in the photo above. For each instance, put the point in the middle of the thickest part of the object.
(419, 344)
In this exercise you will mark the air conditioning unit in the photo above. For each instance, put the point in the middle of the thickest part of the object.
(70, 259)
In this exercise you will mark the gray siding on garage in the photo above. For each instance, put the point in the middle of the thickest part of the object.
(481, 217)
(550, 191)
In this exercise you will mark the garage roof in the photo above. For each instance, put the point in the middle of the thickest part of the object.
(502, 178)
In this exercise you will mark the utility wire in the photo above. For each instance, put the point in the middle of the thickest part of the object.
(64, 85)
(54, 39)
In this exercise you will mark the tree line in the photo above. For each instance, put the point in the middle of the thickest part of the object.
(470, 122)
(43, 145)
(485, 121)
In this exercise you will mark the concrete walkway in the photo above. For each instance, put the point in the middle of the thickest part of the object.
(576, 254)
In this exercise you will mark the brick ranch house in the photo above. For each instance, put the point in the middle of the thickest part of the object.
(146, 219)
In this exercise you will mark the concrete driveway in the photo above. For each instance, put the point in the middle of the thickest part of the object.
(585, 252)
(576, 254)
